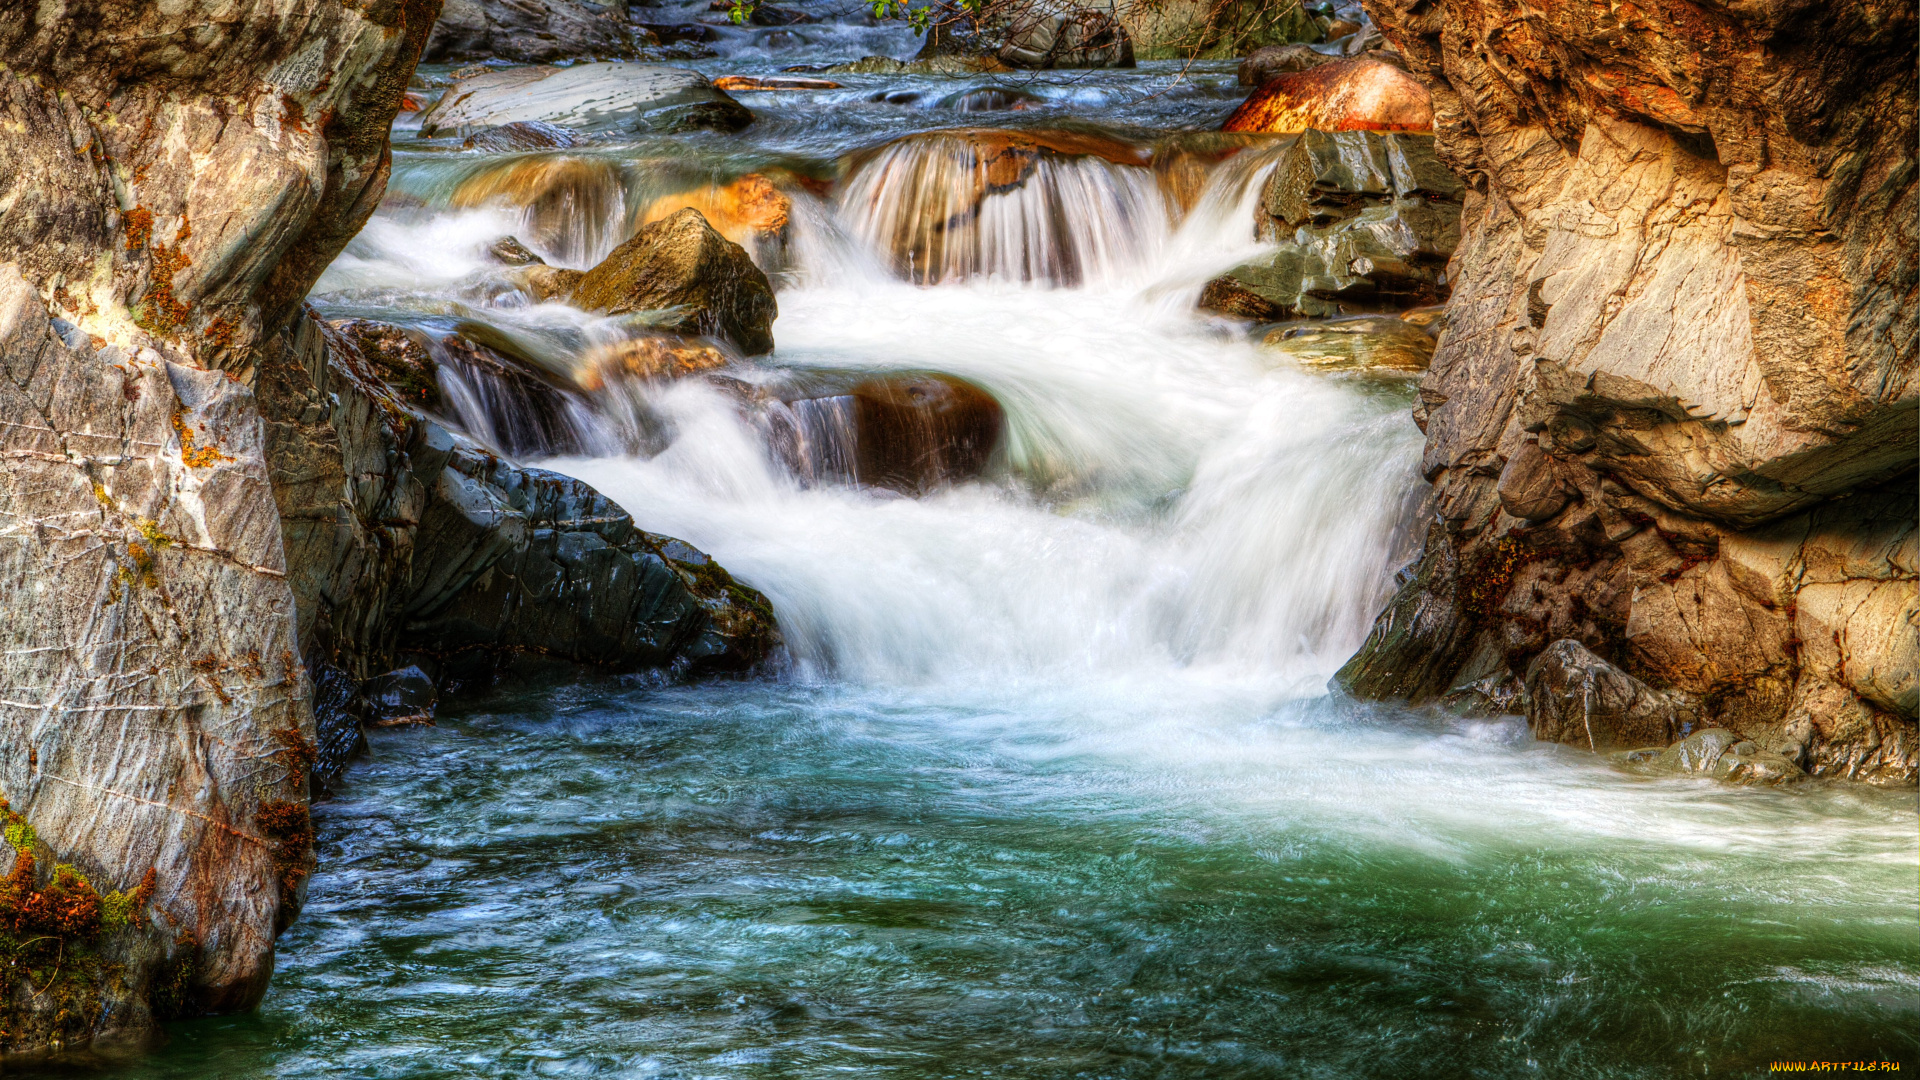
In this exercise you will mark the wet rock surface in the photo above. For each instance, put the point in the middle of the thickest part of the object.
(681, 265)
(1575, 697)
(1679, 371)
(1367, 221)
(1268, 61)
(1720, 754)
(1030, 36)
(614, 98)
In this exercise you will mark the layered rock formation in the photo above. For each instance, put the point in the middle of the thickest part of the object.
(1672, 416)
(613, 99)
(204, 497)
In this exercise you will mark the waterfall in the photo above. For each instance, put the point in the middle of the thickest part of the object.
(943, 207)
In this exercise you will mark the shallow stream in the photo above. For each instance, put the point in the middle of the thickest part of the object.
(1049, 784)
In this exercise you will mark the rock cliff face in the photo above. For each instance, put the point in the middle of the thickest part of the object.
(1673, 413)
(208, 503)
(172, 181)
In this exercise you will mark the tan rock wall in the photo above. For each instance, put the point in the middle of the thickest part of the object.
(1673, 412)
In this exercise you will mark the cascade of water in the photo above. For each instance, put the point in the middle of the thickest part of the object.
(949, 208)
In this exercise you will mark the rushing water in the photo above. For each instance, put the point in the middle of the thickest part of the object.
(1050, 785)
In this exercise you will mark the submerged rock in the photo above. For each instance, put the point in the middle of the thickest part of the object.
(1366, 220)
(680, 262)
(611, 98)
(523, 135)
(1365, 342)
(1358, 94)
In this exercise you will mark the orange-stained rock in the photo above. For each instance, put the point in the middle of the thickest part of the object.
(662, 356)
(777, 82)
(750, 208)
(1361, 94)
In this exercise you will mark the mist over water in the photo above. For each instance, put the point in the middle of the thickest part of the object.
(1050, 784)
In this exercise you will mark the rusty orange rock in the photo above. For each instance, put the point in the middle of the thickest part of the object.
(1361, 94)
(663, 356)
(750, 208)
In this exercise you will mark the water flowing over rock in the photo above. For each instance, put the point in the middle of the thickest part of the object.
(1367, 342)
(681, 263)
(1022, 206)
(1359, 94)
(1679, 374)
(609, 98)
(909, 433)
(1366, 220)
(570, 204)
(533, 33)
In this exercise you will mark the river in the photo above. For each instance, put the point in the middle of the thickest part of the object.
(1049, 783)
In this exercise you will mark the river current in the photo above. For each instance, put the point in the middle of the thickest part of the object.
(1049, 783)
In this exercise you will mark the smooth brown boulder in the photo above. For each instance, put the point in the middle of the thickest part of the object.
(917, 432)
(681, 262)
(1360, 94)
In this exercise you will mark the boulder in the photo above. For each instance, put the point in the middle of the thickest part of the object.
(533, 33)
(680, 265)
(1262, 64)
(1365, 220)
(1363, 342)
(750, 211)
(1358, 94)
(595, 99)
(509, 251)
(1575, 697)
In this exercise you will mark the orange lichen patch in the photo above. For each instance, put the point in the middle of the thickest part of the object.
(296, 754)
(160, 312)
(288, 827)
(746, 208)
(138, 223)
(197, 457)
(1361, 94)
(219, 333)
(293, 115)
(661, 357)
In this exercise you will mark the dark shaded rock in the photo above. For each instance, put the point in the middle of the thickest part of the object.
(681, 262)
(672, 33)
(1575, 697)
(1030, 36)
(402, 695)
(773, 15)
(919, 432)
(1530, 487)
(992, 99)
(533, 33)
(338, 739)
